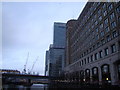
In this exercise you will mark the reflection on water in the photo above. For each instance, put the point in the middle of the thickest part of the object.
(20, 87)
(39, 87)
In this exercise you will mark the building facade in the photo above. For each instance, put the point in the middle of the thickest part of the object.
(59, 37)
(2, 71)
(47, 63)
(93, 45)
(55, 57)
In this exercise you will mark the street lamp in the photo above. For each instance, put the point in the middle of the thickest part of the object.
(107, 79)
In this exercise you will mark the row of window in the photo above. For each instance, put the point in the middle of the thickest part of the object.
(102, 29)
(98, 33)
(104, 69)
(98, 44)
(112, 17)
(98, 55)
(90, 38)
(99, 14)
(93, 74)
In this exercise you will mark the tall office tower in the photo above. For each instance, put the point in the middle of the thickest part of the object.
(93, 44)
(59, 37)
(57, 50)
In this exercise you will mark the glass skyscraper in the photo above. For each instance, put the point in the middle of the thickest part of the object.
(55, 57)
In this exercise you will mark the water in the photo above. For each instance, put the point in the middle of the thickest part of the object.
(57, 87)
(21, 87)
(39, 87)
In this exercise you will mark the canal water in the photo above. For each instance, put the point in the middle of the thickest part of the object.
(20, 87)
(57, 87)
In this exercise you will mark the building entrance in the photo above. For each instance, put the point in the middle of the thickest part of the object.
(106, 78)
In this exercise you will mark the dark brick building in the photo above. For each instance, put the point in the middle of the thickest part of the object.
(93, 45)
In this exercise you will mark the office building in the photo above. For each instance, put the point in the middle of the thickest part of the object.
(59, 37)
(55, 57)
(93, 45)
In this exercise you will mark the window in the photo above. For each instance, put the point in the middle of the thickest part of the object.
(107, 29)
(95, 16)
(102, 33)
(119, 68)
(118, 9)
(101, 54)
(84, 53)
(105, 69)
(119, 45)
(99, 12)
(98, 3)
(106, 21)
(94, 3)
(88, 59)
(97, 30)
(90, 49)
(105, 13)
(101, 26)
(118, 71)
(87, 72)
(112, 16)
(119, 19)
(96, 22)
(87, 52)
(92, 20)
(92, 26)
(102, 41)
(85, 61)
(95, 71)
(91, 9)
(97, 37)
(113, 25)
(104, 6)
(98, 44)
(114, 34)
(82, 73)
(100, 18)
(106, 51)
(108, 38)
(93, 47)
(89, 30)
(113, 48)
(92, 34)
(82, 62)
(96, 56)
(110, 7)
(91, 58)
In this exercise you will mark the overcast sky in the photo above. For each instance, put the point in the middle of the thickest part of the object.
(28, 27)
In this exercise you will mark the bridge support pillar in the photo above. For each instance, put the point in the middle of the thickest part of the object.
(29, 81)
